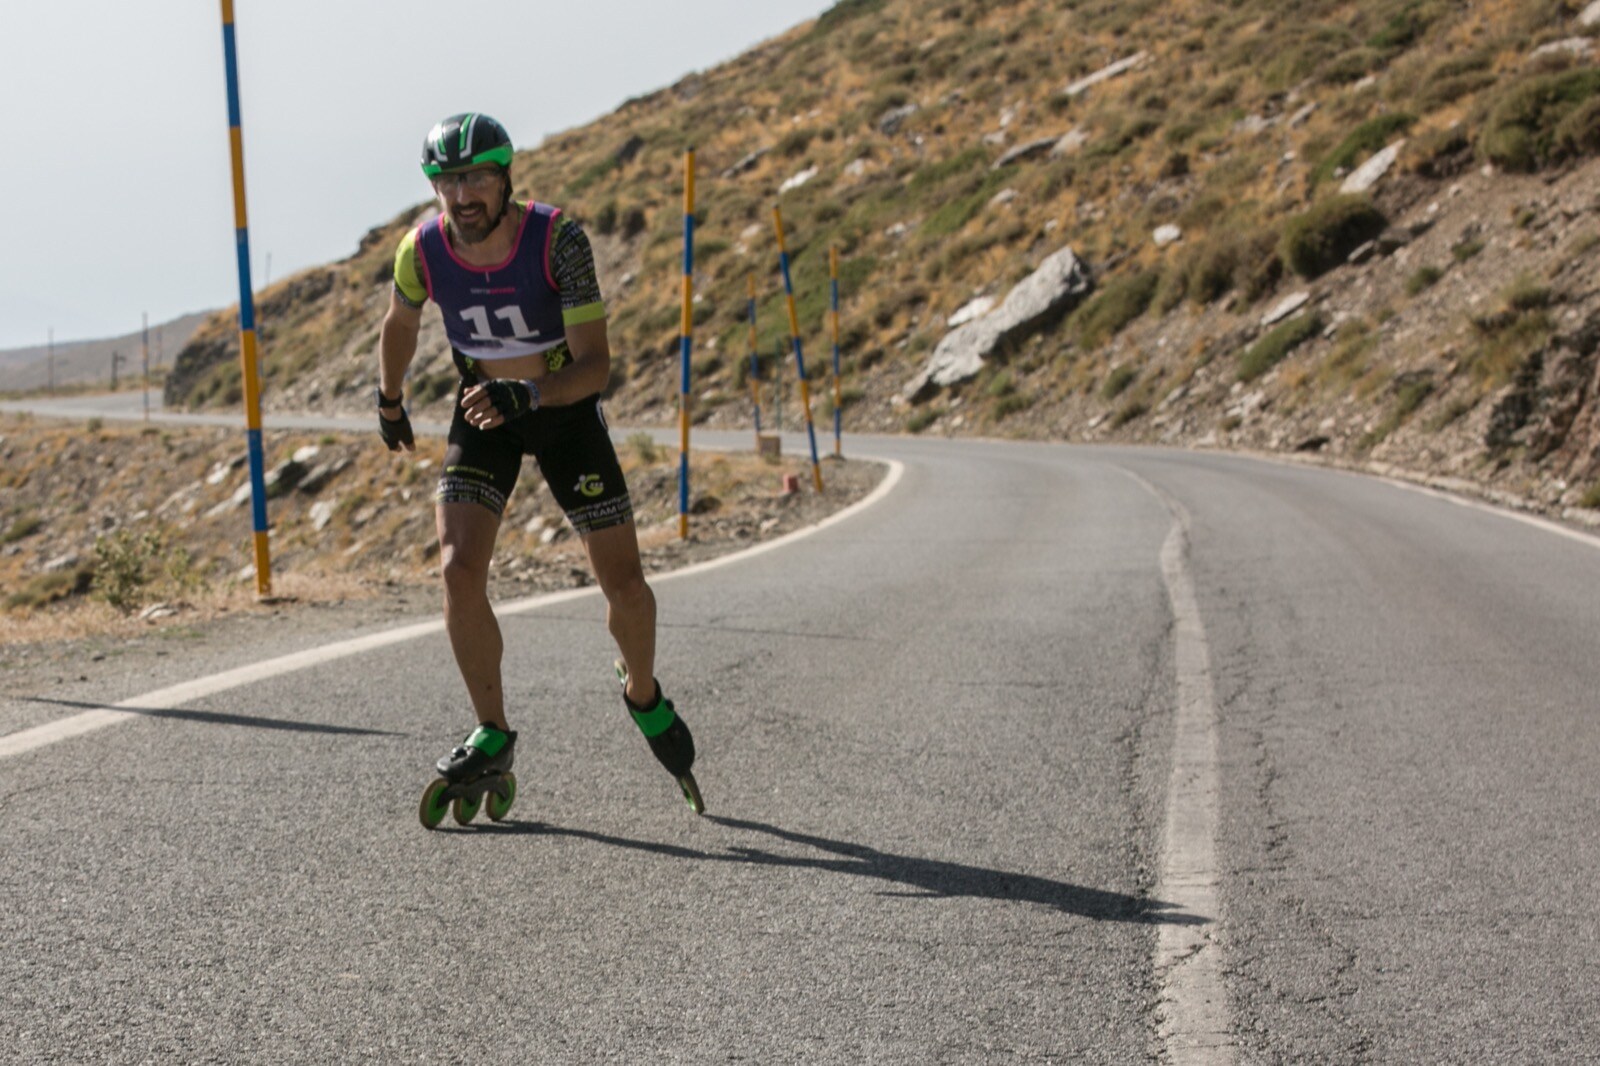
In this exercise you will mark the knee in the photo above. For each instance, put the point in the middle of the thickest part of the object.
(463, 575)
(628, 589)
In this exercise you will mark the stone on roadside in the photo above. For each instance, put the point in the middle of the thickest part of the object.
(1369, 173)
(1060, 283)
(1121, 66)
(1285, 307)
(1024, 152)
(1165, 235)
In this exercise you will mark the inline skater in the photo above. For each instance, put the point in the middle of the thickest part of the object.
(515, 282)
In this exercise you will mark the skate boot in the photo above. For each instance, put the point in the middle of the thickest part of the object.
(669, 739)
(479, 767)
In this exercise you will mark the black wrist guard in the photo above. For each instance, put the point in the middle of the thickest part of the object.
(387, 404)
(396, 431)
(512, 399)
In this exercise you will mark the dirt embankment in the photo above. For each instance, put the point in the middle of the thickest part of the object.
(107, 532)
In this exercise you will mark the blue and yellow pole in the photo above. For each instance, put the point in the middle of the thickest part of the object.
(755, 359)
(685, 344)
(247, 315)
(838, 390)
(799, 355)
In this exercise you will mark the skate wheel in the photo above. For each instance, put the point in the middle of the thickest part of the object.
(465, 810)
(431, 809)
(496, 807)
(691, 793)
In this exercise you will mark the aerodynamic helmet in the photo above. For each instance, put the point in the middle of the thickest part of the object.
(465, 140)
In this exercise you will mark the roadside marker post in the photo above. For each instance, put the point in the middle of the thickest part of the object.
(247, 315)
(755, 359)
(838, 391)
(685, 344)
(799, 355)
(146, 347)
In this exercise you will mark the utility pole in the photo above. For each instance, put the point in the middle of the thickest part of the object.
(117, 359)
(147, 366)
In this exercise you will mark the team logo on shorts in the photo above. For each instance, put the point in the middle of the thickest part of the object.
(590, 485)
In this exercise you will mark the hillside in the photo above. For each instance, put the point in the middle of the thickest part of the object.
(1440, 317)
(82, 364)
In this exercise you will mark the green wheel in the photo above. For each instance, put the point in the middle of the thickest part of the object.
(431, 809)
(496, 807)
(691, 793)
(465, 810)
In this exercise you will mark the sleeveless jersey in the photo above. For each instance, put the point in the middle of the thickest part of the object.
(509, 309)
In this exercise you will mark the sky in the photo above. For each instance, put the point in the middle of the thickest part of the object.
(119, 192)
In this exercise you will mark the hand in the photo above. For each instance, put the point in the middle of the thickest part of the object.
(394, 426)
(492, 403)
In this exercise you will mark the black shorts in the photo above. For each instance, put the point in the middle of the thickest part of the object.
(571, 446)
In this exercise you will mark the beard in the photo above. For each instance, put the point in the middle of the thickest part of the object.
(480, 222)
(477, 226)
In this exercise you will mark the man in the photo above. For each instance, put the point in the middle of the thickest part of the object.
(515, 282)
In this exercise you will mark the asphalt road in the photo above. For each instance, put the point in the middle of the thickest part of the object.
(936, 745)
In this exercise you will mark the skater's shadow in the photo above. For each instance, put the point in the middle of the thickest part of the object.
(217, 718)
(919, 878)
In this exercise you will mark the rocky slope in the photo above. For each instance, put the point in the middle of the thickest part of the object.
(1364, 231)
(123, 524)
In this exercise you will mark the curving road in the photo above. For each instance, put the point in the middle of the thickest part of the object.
(938, 742)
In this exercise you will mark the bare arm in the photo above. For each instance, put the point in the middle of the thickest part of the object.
(590, 370)
(397, 346)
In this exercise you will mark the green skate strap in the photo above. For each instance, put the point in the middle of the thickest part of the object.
(654, 723)
(488, 740)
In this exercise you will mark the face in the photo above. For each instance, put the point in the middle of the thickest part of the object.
(473, 199)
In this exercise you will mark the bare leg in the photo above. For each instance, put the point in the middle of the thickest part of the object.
(630, 605)
(466, 544)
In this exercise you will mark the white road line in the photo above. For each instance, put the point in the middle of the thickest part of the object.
(1193, 1020)
(176, 695)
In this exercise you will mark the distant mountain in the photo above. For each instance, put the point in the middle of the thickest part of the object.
(81, 363)
(1361, 229)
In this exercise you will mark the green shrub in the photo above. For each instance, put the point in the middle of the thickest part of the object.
(127, 564)
(1410, 394)
(1461, 251)
(1543, 120)
(644, 447)
(843, 12)
(1271, 349)
(1591, 497)
(1118, 381)
(45, 589)
(24, 526)
(1365, 139)
(1128, 412)
(1321, 238)
(1119, 303)
(1424, 278)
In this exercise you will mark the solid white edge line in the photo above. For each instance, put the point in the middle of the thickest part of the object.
(1193, 1020)
(175, 695)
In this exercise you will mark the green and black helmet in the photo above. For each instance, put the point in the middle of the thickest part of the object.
(465, 140)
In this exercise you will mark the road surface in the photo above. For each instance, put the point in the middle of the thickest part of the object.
(938, 746)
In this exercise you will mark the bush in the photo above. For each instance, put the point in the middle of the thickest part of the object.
(1544, 120)
(1271, 349)
(1321, 238)
(1424, 278)
(24, 526)
(126, 563)
(1118, 381)
(1365, 139)
(1118, 304)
